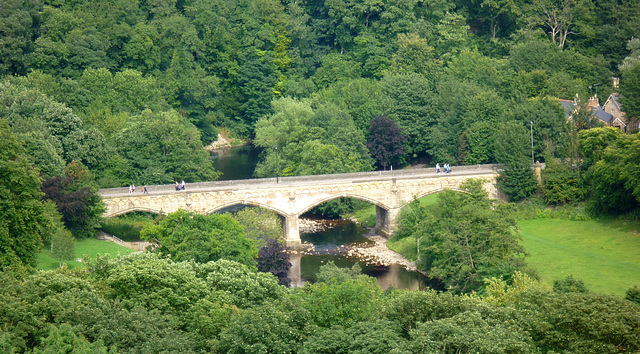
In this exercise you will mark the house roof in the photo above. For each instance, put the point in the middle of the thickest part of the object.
(602, 115)
(618, 122)
(614, 97)
(569, 107)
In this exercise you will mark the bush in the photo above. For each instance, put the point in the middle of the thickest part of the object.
(633, 294)
(570, 285)
(562, 184)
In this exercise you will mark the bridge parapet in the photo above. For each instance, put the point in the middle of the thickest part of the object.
(356, 176)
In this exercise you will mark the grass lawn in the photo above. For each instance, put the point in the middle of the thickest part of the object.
(89, 247)
(604, 254)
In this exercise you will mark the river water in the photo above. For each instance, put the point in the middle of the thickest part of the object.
(330, 244)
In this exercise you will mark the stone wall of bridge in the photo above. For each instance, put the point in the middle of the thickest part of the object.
(293, 196)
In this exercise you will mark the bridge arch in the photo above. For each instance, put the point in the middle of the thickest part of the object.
(430, 192)
(246, 202)
(135, 208)
(344, 195)
(290, 228)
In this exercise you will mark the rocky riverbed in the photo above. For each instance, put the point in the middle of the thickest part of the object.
(375, 253)
(379, 254)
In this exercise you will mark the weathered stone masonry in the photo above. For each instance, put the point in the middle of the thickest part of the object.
(389, 191)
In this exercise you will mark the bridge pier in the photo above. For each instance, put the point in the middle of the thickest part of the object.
(386, 220)
(292, 231)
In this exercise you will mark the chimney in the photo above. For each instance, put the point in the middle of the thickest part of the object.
(593, 102)
(616, 83)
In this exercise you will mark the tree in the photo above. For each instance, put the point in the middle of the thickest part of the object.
(310, 141)
(462, 105)
(411, 108)
(593, 142)
(273, 258)
(275, 327)
(22, 216)
(562, 17)
(630, 80)
(550, 128)
(343, 300)
(614, 178)
(414, 55)
(472, 331)
(163, 148)
(633, 294)
(336, 67)
(479, 144)
(62, 245)
(362, 99)
(376, 336)
(77, 199)
(18, 26)
(261, 225)
(64, 339)
(562, 184)
(201, 238)
(512, 150)
(385, 141)
(465, 239)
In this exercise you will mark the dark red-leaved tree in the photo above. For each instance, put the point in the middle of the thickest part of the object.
(273, 259)
(385, 141)
(76, 198)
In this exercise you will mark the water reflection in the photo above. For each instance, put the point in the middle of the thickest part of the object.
(339, 233)
(304, 268)
(236, 162)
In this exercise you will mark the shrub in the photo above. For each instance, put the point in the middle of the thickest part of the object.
(633, 294)
(570, 285)
(562, 184)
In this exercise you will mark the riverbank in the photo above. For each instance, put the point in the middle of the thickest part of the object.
(224, 141)
(375, 252)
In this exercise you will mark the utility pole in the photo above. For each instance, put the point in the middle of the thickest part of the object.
(277, 166)
(533, 161)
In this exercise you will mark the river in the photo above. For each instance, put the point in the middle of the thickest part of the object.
(330, 244)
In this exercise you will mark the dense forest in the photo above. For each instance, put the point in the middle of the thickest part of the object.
(109, 93)
(133, 89)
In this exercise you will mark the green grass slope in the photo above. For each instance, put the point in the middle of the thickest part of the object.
(89, 247)
(604, 254)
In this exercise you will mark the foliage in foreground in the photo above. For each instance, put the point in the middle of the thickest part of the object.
(464, 238)
(22, 211)
(184, 235)
(145, 303)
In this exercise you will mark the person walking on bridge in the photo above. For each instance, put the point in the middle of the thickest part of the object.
(438, 167)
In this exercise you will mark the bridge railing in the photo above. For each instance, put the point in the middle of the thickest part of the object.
(356, 176)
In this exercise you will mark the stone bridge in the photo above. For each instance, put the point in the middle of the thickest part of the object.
(290, 197)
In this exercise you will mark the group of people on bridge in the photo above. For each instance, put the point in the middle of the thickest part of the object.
(445, 168)
(180, 186)
(143, 189)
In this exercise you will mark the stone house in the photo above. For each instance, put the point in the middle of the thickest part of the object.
(611, 113)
